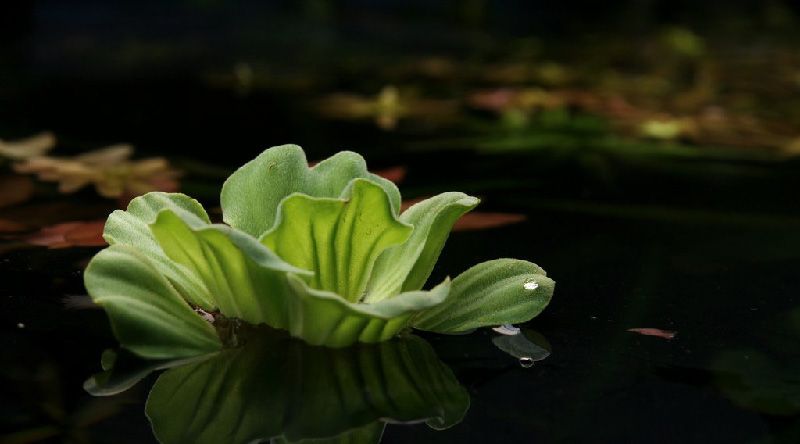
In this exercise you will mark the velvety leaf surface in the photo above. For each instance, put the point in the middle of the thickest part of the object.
(324, 318)
(250, 197)
(248, 281)
(407, 266)
(339, 239)
(132, 227)
(501, 291)
(147, 315)
(251, 283)
(275, 387)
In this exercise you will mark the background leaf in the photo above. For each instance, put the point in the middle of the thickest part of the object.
(501, 291)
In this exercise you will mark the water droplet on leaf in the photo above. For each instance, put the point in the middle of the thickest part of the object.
(526, 362)
(530, 285)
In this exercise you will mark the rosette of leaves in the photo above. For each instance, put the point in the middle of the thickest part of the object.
(322, 252)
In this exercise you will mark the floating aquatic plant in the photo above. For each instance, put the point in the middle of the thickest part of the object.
(322, 252)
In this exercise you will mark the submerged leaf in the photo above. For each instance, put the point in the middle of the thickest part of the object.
(491, 293)
(147, 315)
(251, 196)
(337, 238)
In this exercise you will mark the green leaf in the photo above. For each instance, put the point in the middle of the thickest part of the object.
(323, 318)
(337, 238)
(131, 227)
(250, 197)
(253, 284)
(407, 266)
(147, 315)
(278, 388)
(248, 280)
(502, 291)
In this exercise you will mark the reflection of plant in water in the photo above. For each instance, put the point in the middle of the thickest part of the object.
(752, 379)
(275, 387)
(320, 252)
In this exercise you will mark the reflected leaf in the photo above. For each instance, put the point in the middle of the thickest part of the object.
(275, 387)
(765, 379)
(522, 347)
(123, 369)
(753, 379)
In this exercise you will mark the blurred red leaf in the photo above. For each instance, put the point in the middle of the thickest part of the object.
(15, 189)
(9, 226)
(484, 221)
(476, 220)
(664, 334)
(70, 234)
(396, 173)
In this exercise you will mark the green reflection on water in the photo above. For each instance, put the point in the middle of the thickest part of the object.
(274, 387)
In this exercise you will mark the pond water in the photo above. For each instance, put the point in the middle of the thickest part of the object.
(676, 315)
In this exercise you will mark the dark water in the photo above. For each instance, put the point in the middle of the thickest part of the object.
(704, 246)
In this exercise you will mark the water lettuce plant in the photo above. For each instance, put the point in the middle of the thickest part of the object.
(323, 252)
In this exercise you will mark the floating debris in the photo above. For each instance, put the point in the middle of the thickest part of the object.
(664, 334)
(507, 329)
